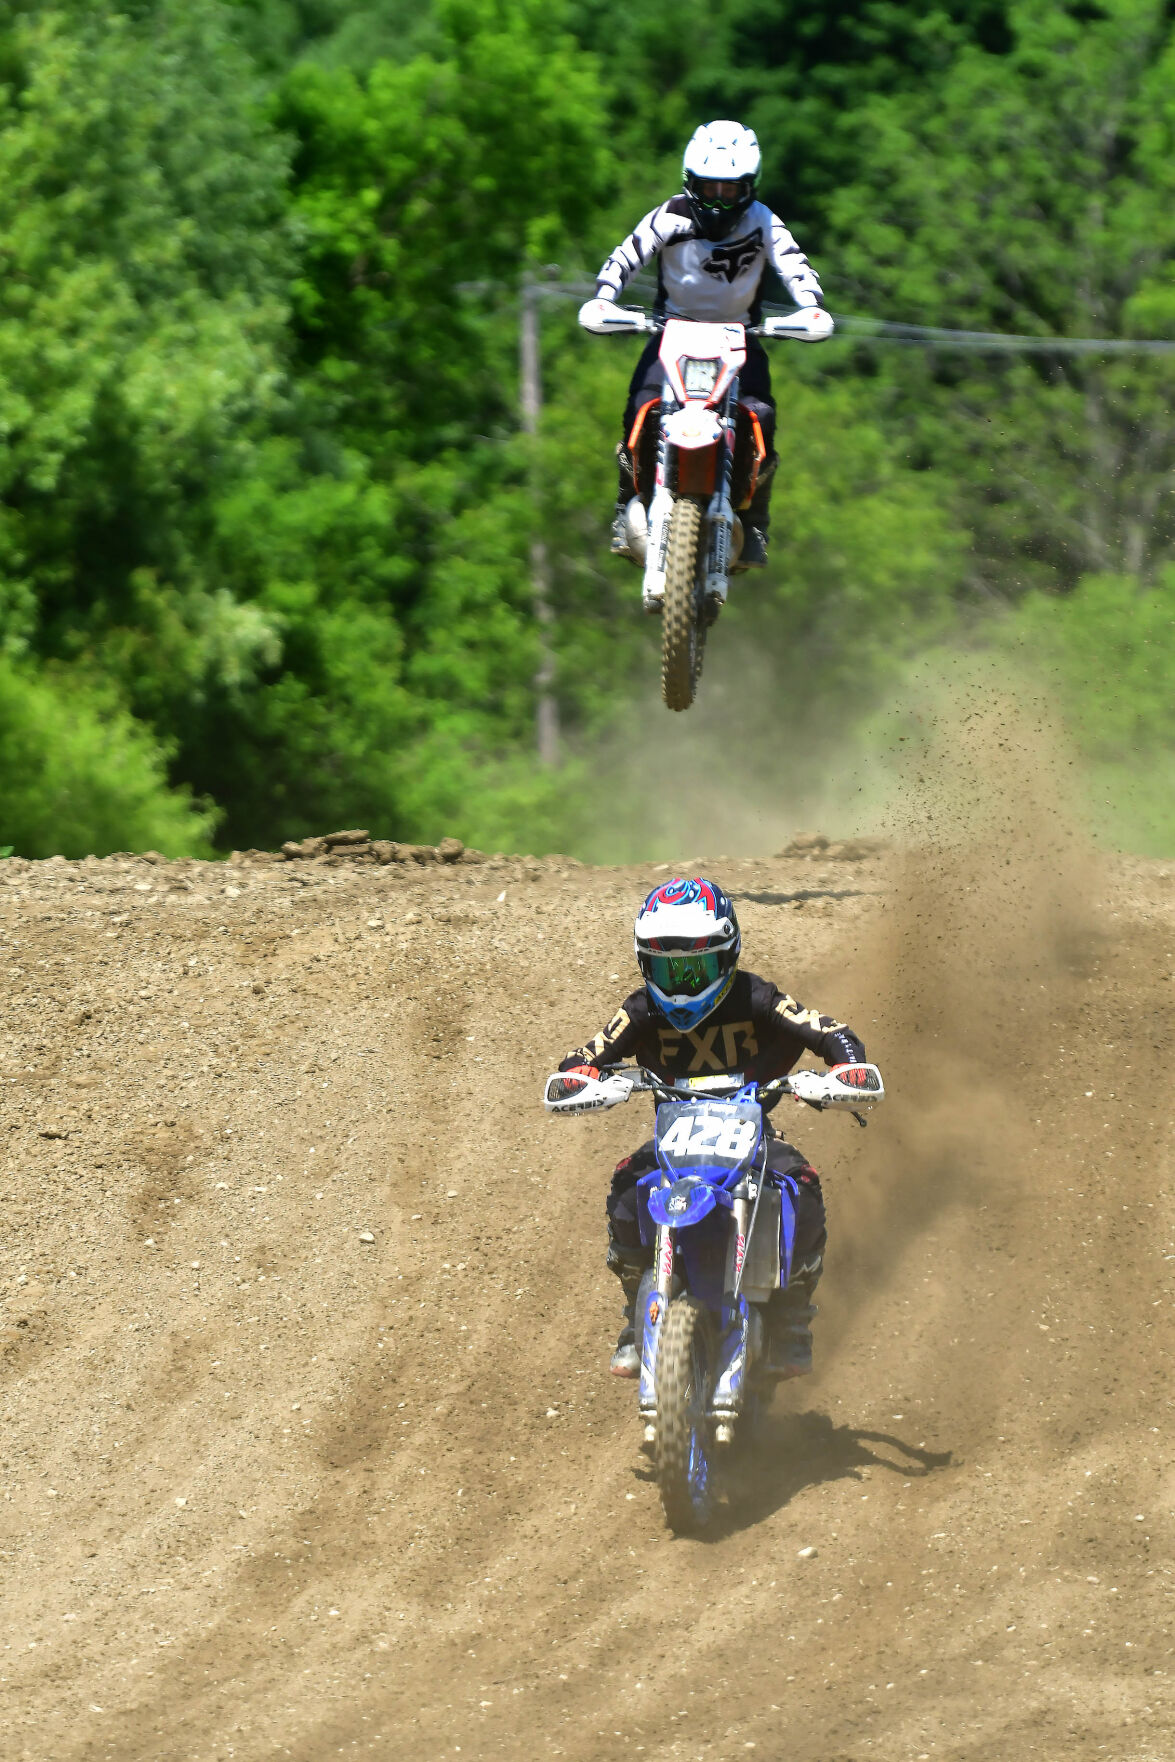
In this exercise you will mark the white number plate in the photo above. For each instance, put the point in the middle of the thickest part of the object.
(699, 1135)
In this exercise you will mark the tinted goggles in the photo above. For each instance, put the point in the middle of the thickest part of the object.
(722, 191)
(683, 974)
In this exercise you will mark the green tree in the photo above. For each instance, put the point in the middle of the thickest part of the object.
(140, 328)
(796, 73)
(264, 506)
(1032, 192)
(1107, 653)
(415, 179)
(80, 777)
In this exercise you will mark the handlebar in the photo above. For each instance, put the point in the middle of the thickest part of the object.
(851, 1086)
(810, 324)
(716, 1088)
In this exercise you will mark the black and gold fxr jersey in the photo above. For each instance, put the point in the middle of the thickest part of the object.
(757, 1031)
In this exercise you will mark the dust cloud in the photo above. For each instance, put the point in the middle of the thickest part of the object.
(955, 744)
(958, 985)
(755, 758)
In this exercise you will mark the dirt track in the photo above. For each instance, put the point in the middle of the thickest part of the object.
(274, 1491)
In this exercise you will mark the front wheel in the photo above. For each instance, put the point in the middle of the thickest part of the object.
(685, 1370)
(681, 635)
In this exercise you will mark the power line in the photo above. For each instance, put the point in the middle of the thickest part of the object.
(849, 325)
(852, 326)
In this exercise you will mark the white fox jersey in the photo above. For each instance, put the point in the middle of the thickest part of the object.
(713, 281)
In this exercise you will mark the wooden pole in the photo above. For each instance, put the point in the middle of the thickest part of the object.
(530, 399)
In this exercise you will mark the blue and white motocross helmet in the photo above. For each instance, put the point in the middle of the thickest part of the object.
(687, 947)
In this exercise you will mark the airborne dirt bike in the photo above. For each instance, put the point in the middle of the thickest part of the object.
(692, 468)
(723, 1231)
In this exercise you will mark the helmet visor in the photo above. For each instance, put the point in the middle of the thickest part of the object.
(685, 974)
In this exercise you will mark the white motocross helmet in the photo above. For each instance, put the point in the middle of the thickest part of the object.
(687, 947)
(720, 170)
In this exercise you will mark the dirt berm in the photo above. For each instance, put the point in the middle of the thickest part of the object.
(309, 1446)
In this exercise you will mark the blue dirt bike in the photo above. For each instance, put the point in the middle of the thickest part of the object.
(723, 1231)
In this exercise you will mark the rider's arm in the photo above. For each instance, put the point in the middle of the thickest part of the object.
(612, 1044)
(792, 267)
(660, 227)
(829, 1039)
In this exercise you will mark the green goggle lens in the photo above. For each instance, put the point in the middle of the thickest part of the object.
(683, 975)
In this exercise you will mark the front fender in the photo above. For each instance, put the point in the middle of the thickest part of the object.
(685, 1202)
(694, 425)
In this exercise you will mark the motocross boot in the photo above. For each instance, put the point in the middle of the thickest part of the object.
(789, 1322)
(626, 1359)
(756, 519)
(754, 551)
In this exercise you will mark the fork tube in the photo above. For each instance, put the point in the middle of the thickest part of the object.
(726, 1397)
(664, 1261)
(659, 509)
(736, 1251)
(759, 1185)
(730, 423)
(651, 1321)
(720, 513)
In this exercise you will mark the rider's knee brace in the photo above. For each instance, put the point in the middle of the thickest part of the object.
(629, 1265)
(626, 484)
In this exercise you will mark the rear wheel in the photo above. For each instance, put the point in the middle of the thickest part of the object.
(681, 636)
(685, 1370)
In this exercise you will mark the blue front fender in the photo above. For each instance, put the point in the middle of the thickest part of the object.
(684, 1203)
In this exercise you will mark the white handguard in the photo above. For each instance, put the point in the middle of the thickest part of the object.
(850, 1086)
(571, 1092)
(604, 316)
(811, 324)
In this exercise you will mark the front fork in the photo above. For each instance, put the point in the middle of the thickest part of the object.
(720, 513)
(660, 509)
(730, 1381)
(738, 1325)
(657, 1298)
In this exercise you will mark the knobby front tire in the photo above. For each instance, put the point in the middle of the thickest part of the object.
(684, 1450)
(681, 647)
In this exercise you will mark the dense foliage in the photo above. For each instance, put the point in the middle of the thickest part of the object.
(265, 506)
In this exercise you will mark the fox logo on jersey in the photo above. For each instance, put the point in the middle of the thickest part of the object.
(729, 261)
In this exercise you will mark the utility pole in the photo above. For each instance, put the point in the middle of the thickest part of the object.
(530, 399)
